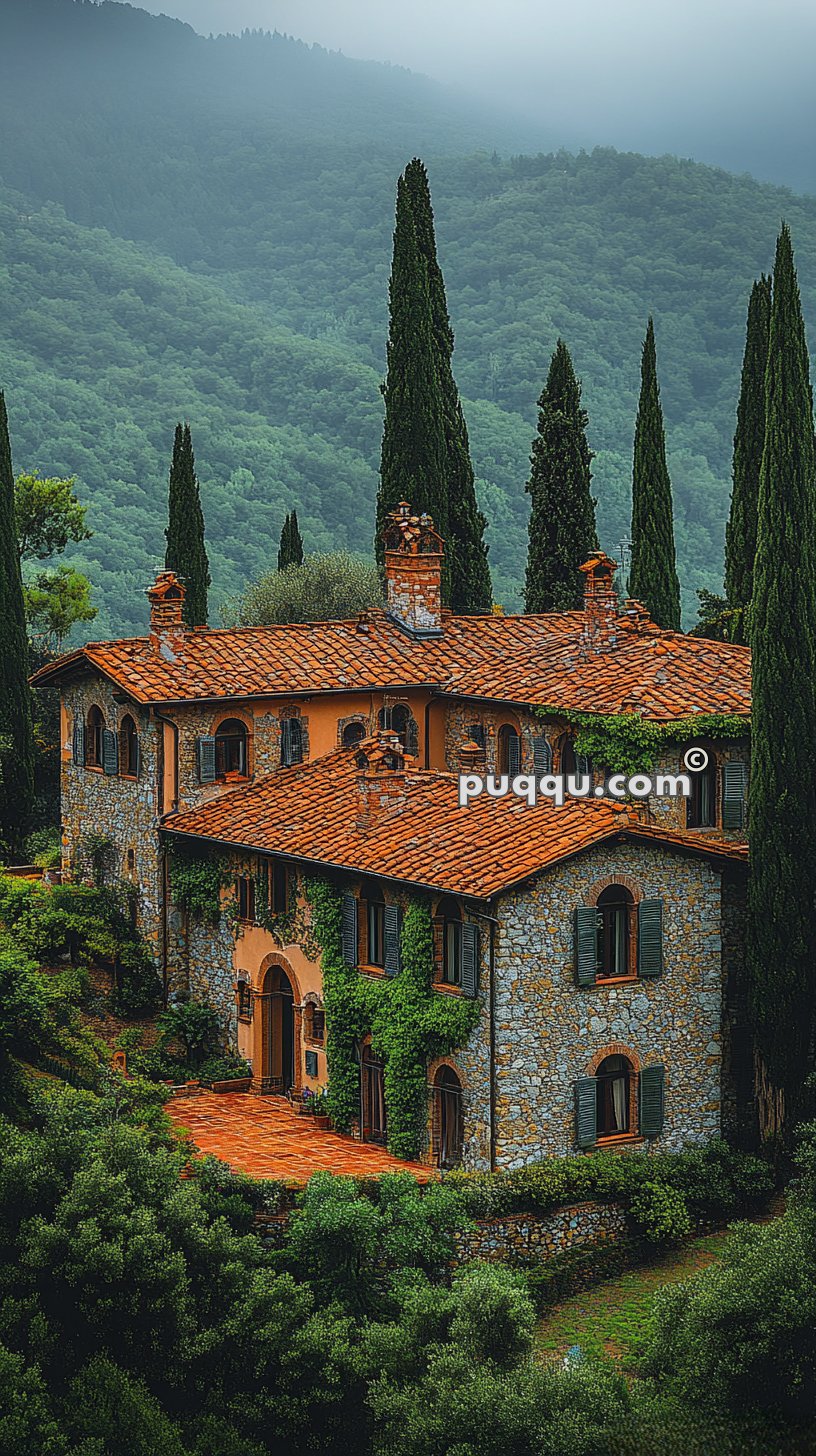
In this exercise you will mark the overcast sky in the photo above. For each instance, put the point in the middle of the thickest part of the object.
(709, 78)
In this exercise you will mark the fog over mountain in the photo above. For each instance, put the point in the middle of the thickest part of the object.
(729, 82)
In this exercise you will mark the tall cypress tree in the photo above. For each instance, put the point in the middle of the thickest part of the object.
(16, 730)
(562, 517)
(781, 930)
(290, 551)
(749, 440)
(186, 553)
(653, 572)
(470, 586)
(412, 465)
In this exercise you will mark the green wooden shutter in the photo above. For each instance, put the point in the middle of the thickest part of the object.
(79, 743)
(650, 938)
(393, 948)
(542, 757)
(349, 930)
(733, 794)
(586, 1112)
(110, 751)
(652, 1100)
(205, 753)
(586, 945)
(514, 755)
(470, 958)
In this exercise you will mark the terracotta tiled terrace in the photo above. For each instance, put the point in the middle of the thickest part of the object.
(262, 1136)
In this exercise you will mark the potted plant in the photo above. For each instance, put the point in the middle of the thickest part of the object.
(226, 1074)
(315, 1104)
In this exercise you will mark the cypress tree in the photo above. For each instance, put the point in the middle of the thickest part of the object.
(412, 465)
(653, 572)
(290, 552)
(16, 730)
(562, 517)
(740, 532)
(781, 927)
(186, 553)
(470, 585)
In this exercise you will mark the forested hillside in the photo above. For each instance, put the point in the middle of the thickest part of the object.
(254, 301)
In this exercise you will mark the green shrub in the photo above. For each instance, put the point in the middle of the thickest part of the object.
(224, 1069)
(661, 1212)
(192, 1023)
(44, 848)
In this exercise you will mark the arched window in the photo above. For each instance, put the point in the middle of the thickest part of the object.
(128, 748)
(352, 733)
(571, 762)
(93, 737)
(400, 720)
(448, 1117)
(614, 1086)
(291, 742)
(701, 808)
(508, 756)
(231, 748)
(615, 939)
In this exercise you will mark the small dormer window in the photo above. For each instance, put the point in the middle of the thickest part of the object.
(352, 733)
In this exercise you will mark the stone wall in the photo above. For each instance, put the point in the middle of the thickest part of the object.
(518, 1238)
(550, 1031)
(120, 809)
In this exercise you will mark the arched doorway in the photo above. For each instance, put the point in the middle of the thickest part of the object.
(278, 1032)
(448, 1117)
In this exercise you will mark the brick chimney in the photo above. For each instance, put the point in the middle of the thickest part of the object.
(472, 757)
(601, 612)
(380, 760)
(167, 627)
(413, 572)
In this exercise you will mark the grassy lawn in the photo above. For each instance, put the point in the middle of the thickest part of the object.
(611, 1318)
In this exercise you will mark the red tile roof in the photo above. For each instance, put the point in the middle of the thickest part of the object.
(408, 826)
(520, 659)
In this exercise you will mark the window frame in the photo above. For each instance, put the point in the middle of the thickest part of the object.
(626, 907)
(129, 748)
(604, 1081)
(506, 737)
(710, 778)
(245, 895)
(223, 770)
(278, 887)
(375, 920)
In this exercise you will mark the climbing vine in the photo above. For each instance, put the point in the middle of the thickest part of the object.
(408, 1022)
(630, 744)
(197, 878)
(285, 926)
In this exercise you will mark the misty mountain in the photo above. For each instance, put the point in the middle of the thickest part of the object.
(203, 229)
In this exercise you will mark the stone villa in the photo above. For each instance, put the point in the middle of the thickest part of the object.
(598, 944)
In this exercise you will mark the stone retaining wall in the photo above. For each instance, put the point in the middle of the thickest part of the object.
(518, 1237)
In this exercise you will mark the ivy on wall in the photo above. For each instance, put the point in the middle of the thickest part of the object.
(286, 927)
(629, 744)
(197, 878)
(409, 1023)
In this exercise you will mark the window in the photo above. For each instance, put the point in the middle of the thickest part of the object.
(277, 886)
(314, 1022)
(352, 733)
(614, 1081)
(291, 742)
(571, 762)
(245, 1000)
(508, 758)
(476, 734)
(375, 926)
(245, 887)
(128, 748)
(231, 748)
(400, 720)
(375, 1118)
(701, 808)
(93, 738)
(615, 910)
(448, 938)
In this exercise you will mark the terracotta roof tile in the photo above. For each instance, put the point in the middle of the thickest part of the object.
(408, 826)
(521, 659)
